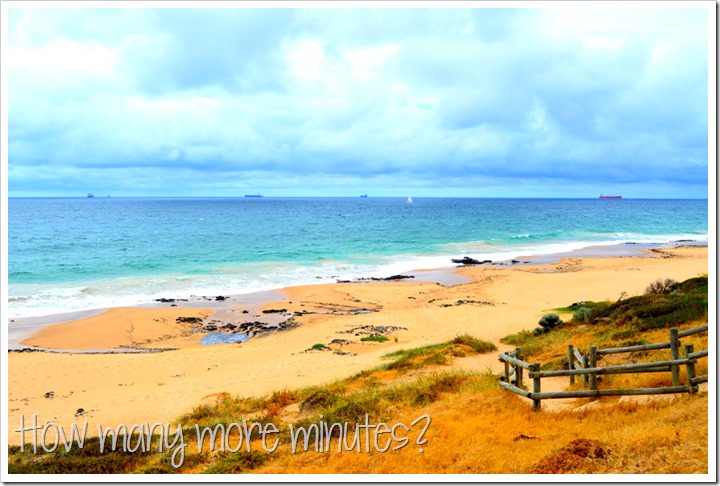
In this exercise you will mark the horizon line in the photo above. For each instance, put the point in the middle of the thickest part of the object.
(342, 197)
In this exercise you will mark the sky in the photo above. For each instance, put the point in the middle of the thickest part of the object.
(572, 101)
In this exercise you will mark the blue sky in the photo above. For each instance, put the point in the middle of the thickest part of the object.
(500, 102)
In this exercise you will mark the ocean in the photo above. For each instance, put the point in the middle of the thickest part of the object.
(71, 254)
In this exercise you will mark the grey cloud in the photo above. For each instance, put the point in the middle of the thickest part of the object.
(186, 49)
(469, 94)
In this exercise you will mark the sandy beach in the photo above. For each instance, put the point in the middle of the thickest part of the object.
(116, 388)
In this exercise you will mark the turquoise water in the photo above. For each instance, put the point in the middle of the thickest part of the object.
(77, 253)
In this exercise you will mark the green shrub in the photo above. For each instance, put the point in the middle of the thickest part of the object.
(85, 460)
(319, 346)
(686, 301)
(417, 358)
(661, 286)
(352, 409)
(583, 314)
(377, 339)
(550, 321)
(478, 345)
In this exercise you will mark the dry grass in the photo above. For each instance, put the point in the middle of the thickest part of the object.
(490, 433)
(476, 427)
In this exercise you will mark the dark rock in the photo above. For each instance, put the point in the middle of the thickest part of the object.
(27, 350)
(514, 261)
(80, 412)
(220, 297)
(274, 311)
(165, 300)
(386, 279)
(361, 311)
(466, 261)
(377, 279)
(250, 325)
(289, 324)
(474, 302)
(373, 330)
(49, 394)
(398, 277)
(245, 311)
(524, 437)
(341, 342)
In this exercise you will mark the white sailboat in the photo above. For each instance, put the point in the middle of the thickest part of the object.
(409, 201)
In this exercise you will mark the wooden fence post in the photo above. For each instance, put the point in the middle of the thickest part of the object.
(518, 369)
(507, 371)
(536, 387)
(571, 360)
(675, 354)
(593, 363)
(586, 378)
(692, 388)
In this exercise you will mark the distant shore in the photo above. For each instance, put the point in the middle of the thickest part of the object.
(492, 302)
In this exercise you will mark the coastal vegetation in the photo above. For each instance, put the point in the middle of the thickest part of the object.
(376, 339)
(548, 322)
(626, 322)
(473, 426)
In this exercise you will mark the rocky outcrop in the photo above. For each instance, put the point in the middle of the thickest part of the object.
(470, 261)
(378, 279)
(250, 328)
(373, 330)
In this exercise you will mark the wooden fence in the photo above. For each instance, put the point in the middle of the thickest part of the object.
(586, 365)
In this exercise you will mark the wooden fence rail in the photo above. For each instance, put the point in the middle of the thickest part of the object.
(694, 330)
(585, 365)
(615, 369)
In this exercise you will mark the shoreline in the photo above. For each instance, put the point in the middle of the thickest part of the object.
(132, 388)
(23, 329)
(97, 294)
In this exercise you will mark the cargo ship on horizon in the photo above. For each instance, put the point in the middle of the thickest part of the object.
(603, 196)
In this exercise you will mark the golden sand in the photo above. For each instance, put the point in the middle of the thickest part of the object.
(114, 389)
(120, 327)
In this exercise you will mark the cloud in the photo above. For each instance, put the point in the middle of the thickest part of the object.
(165, 100)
